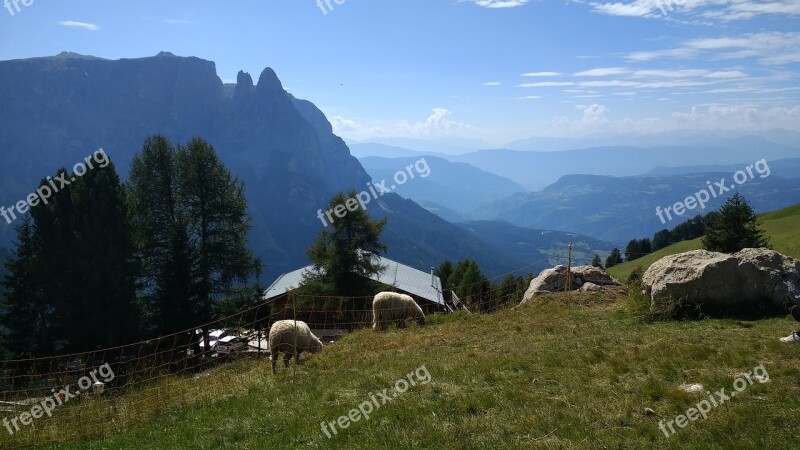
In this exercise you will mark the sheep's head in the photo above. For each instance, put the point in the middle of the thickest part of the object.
(315, 346)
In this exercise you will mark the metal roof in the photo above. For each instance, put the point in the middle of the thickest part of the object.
(400, 276)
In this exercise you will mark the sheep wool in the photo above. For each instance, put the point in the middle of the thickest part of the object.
(291, 338)
(391, 307)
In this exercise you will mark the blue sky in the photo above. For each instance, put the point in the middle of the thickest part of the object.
(480, 71)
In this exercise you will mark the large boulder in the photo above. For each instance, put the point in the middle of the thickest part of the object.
(749, 277)
(555, 280)
(596, 275)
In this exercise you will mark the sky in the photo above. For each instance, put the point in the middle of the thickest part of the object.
(476, 72)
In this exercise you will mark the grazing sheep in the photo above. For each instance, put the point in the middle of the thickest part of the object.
(391, 307)
(292, 338)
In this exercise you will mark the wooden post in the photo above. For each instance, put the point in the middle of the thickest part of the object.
(568, 286)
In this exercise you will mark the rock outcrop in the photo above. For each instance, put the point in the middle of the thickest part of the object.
(585, 278)
(749, 277)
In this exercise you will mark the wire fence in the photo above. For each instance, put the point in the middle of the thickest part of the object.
(87, 385)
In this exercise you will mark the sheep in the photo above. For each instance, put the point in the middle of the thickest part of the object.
(292, 338)
(391, 307)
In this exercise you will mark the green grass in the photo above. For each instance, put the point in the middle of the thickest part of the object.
(555, 373)
(782, 227)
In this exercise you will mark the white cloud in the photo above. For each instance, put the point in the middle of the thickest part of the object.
(540, 74)
(740, 117)
(492, 83)
(529, 97)
(436, 125)
(770, 48)
(547, 84)
(699, 10)
(83, 25)
(439, 124)
(497, 3)
(594, 113)
(602, 72)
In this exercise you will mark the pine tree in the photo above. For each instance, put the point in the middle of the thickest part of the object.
(613, 259)
(27, 311)
(192, 225)
(70, 286)
(345, 256)
(103, 254)
(596, 262)
(736, 227)
(470, 284)
(162, 237)
(444, 271)
(662, 239)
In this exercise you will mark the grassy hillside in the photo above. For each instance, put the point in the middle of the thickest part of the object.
(556, 373)
(782, 227)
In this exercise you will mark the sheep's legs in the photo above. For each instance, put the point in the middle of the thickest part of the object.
(286, 358)
(274, 358)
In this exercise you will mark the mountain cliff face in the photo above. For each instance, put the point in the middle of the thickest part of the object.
(58, 110)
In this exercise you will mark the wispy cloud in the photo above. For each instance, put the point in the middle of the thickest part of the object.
(492, 83)
(84, 25)
(770, 48)
(602, 72)
(546, 84)
(179, 22)
(529, 97)
(699, 10)
(497, 3)
(540, 74)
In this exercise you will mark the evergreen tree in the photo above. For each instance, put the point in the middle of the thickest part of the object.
(103, 255)
(471, 285)
(596, 262)
(70, 286)
(613, 259)
(162, 237)
(27, 311)
(509, 291)
(191, 223)
(632, 250)
(735, 228)
(662, 239)
(346, 256)
(444, 271)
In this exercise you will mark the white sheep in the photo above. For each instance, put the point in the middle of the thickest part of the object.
(292, 338)
(391, 307)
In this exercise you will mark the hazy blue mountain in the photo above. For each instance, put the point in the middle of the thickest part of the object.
(787, 168)
(434, 239)
(460, 187)
(543, 248)
(428, 146)
(618, 209)
(362, 150)
(535, 170)
(675, 138)
(444, 212)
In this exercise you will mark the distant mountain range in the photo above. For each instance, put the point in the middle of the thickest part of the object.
(617, 209)
(534, 170)
(449, 186)
(787, 168)
(677, 138)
